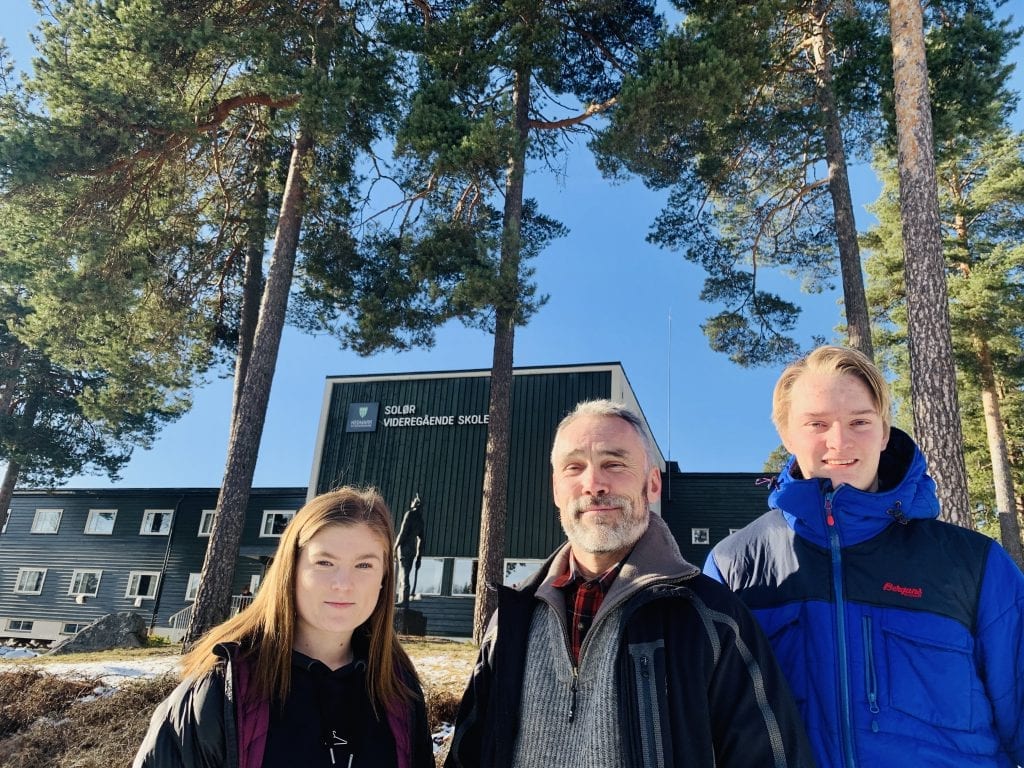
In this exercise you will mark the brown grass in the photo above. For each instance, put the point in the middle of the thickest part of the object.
(44, 723)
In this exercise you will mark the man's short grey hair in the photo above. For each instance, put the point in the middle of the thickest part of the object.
(612, 409)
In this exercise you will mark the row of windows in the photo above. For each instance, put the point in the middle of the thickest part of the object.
(23, 625)
(155, 522)
(430, 581)
(86, 582)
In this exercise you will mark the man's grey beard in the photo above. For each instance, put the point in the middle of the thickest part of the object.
(597, 537)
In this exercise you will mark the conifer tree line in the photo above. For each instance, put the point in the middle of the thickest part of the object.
(180, 178)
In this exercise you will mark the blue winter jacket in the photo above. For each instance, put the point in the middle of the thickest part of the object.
(902, 636)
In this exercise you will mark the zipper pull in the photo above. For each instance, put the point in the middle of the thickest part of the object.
(831, 521)
(572, 699)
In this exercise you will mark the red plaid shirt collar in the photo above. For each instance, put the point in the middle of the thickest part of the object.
(583, 598)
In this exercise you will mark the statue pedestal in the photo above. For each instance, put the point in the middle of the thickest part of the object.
(410, 622)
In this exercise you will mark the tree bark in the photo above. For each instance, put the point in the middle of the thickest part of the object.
(252, 279)
(214, 595)
(1002, 473)
(932, 372)
(7, 487)
(493, 515)
(858, 323)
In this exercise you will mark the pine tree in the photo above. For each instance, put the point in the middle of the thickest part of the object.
(739, 112)
(981, 206)
(492, 81)
(185, 132)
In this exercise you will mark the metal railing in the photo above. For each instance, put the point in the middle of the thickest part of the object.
(181, 619)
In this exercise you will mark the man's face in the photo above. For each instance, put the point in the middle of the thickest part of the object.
(602, 484)
(834, 430)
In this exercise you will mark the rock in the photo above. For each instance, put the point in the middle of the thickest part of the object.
(115, 630)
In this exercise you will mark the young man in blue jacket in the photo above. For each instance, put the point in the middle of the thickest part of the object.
(902, 636)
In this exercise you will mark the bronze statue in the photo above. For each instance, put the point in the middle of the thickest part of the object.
(409, 548)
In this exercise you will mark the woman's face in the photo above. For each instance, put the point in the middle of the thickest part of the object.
(338, 581)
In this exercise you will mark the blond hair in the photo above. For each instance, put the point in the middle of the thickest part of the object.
(832, 361)
(266, 629)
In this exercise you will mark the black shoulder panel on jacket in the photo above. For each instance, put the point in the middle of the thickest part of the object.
(767, 564)
(926, 565)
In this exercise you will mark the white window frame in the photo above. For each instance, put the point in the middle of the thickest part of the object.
(82, 572)
(267, 515)
(80, 624)
(12, 622)
(455, 563)
(96, 514)
(206, 521)
(700, 536)
(419, 583)
(518, 561)
(135, 577)
(148, 515)
(734, 530)
(36, 521)
(192, 588)
(21, 573)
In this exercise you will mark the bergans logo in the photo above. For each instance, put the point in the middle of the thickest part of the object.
(915, 592)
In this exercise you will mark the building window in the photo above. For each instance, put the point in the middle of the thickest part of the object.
(206, 522)
(85, 583)
(100, 522)
(193, 587)
(142, 584)
(72, 628)
(734, 530)
(30, 581)
(463, 577)
(518, 571)
(274, 523)
(700, 536)
(7, 519)
(20, 625)
(428, 578)
(156, 522)
(47, 520)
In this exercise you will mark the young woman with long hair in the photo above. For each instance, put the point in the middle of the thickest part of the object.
(311, 673)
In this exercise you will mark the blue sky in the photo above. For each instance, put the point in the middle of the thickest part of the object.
(612, 294)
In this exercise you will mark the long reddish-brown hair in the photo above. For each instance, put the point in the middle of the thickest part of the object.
(266, 629)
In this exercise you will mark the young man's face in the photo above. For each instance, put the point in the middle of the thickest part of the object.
(602, 485)
(835, 430)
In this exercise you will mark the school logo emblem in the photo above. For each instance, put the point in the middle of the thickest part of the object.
(362, 417)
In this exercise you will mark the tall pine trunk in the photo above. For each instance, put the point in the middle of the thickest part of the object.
(1002, 472)
(28, 420)
(858, 323)
(252, 277)
(214, 595)
(7, 486)
(494, 513)
(932, 373)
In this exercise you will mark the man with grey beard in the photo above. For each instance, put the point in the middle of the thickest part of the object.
(618, 652)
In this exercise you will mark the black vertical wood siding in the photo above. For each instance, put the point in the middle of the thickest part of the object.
(445, 464)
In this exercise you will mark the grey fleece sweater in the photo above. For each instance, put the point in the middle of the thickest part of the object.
(552, 686)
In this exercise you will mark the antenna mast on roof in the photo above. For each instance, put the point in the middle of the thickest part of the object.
(669, 444)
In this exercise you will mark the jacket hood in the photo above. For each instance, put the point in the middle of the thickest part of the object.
(906, 492)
